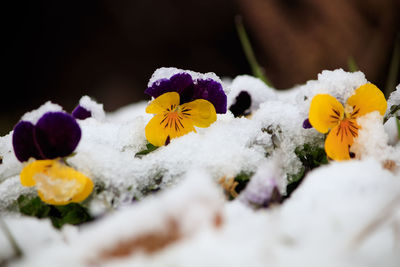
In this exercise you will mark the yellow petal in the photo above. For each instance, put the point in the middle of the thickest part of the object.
(164, 103)
(87, 190)
(171, 125)
(28, 172)
(51, 201)
(367, 98)
(325, 112)
(201, 111)
(155, 133)
(338, 142)
(60, 185)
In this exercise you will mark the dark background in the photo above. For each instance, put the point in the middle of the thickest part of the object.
(61, 50)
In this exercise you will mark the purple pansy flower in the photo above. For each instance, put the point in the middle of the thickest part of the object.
(56, 134)
(242, 104)
(261, 192)
(190, 90)
(81, 113)
(307, 124)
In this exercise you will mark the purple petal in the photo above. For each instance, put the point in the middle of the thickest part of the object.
(261, 192)
(57, 134)
(212, 91)
(183, 84)
(23, 141)
(307, 124)
(81, 113)
(177, 83)
(241, 105)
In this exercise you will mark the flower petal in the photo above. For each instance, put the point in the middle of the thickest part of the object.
(60, 184)
(200, 111)
(154, 132)
(367, 98)
(164, 103)
(177, 83)
(29, 171)
(163, 127)
(23, 141)
(87, 190)
(81, 113)
(325, 112)
(307, 124)
(57, 134)
(241, 105)
(338, 142)
(212, 91)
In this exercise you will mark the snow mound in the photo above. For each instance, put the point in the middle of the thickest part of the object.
(165, 208)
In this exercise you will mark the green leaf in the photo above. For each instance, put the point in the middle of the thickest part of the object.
(72, 213)
(311, 157)
(292, 178)
(392, 112)
(242, 178)
(294, 181)
(33, 207)
(149, 148)
(398, 127)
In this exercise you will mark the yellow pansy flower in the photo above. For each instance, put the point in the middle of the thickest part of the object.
(327, 114)
(172, 120)
(57, 184)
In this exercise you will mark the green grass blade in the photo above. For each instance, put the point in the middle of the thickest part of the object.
(248, 50)
(351, 65)
(392, 79)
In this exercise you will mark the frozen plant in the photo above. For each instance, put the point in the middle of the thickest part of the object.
(327, 114)
(180, 104)
(43, 145)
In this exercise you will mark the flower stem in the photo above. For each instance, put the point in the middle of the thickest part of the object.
(244, 40)
(351, 64)
(392, 79)
(392, 112)
(17, 250)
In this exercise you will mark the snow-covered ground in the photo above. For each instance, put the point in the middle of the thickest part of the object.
(342, 214)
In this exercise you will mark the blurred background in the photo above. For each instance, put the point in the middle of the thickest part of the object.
(61, 50)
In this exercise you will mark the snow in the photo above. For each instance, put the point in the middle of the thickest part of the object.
(322, 224)
(10, 165)
(31, 235)
(95, 108)
(165, 73)
(35, 115)
(261, 186)
(256, 88)
(10, 190)
(394, 99)
(373, 141)
(391, 130)
(342, 214)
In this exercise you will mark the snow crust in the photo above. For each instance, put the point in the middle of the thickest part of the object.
(256, 88)
(342, 214)
(34, 115)
(165, 73)
(95, 108)
(373, 140)
(326, 222)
